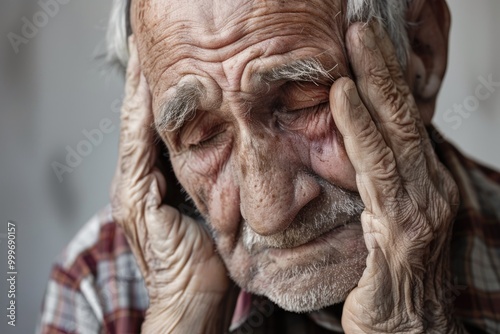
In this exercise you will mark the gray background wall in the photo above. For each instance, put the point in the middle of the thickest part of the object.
(52, 90)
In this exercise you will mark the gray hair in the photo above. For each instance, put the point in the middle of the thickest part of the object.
(390, 13)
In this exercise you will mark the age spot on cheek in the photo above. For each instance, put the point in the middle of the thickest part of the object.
(317, 148)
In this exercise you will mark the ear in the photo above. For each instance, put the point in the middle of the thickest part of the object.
(428, 31)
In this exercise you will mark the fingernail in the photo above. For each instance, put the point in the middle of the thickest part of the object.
(352, 95)
(369, 39)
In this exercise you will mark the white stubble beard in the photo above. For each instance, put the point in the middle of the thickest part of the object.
(288, 288)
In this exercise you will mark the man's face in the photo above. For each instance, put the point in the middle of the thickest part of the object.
(260, 156)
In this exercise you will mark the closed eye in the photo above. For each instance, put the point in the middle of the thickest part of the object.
(303, 110)
(292, 114)
(211, 139)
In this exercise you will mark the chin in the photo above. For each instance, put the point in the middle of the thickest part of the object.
(310, 289)
(310, 277)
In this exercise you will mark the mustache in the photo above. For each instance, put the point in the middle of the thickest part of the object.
(334, 207)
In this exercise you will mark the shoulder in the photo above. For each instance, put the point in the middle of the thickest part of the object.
(95, 282)
(475, 245)
(479, 185)
(100, 241)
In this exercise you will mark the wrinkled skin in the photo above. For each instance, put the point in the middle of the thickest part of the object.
(265, 172)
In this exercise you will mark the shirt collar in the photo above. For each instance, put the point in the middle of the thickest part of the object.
(243, 309)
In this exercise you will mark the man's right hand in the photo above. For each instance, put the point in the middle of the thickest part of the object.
(185, 277)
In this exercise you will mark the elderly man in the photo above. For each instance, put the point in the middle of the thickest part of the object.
(301, 135)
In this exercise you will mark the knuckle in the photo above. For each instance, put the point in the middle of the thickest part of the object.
(384, 164)
(400, 112)
(441, 215)
(398, 108)
(413, 228)
(393, 64)
(128, 199)
(368, 134)
(119, 209)
(403, 87)
(419, 232)
(396, 207)
(379, 77)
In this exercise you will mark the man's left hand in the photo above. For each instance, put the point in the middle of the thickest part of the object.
(410, 198)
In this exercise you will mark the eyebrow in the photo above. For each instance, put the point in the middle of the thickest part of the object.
(307, 70)
(182, 107)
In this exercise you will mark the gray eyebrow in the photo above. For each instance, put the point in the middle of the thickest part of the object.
(307, 70)
(181, 108)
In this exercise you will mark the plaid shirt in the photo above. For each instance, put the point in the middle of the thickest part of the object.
(96, 287)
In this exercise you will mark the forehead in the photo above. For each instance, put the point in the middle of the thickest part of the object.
(223, 18)
(220, 37)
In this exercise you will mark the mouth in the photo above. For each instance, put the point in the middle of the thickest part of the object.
(329, 214)
(288, 240)
(343, 238)
(300, 239)
(314, 239)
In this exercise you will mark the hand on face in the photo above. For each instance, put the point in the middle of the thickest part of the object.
(410, 198)
(408, 195)
(175, 254)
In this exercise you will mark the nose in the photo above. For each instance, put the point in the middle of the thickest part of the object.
(274, 184)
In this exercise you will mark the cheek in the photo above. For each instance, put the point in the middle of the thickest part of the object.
(328, 156)
(224, 204)
(195, 184)
(216, 197)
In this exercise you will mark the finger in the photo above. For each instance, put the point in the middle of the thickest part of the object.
(390, 57)
(376, 175)
(386, 100)
(388, 51)
(137, 153)
(133, 73)
(132, 81)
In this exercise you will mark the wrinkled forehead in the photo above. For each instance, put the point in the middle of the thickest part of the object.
(213, 24)
(173, 35)
(212, 16)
